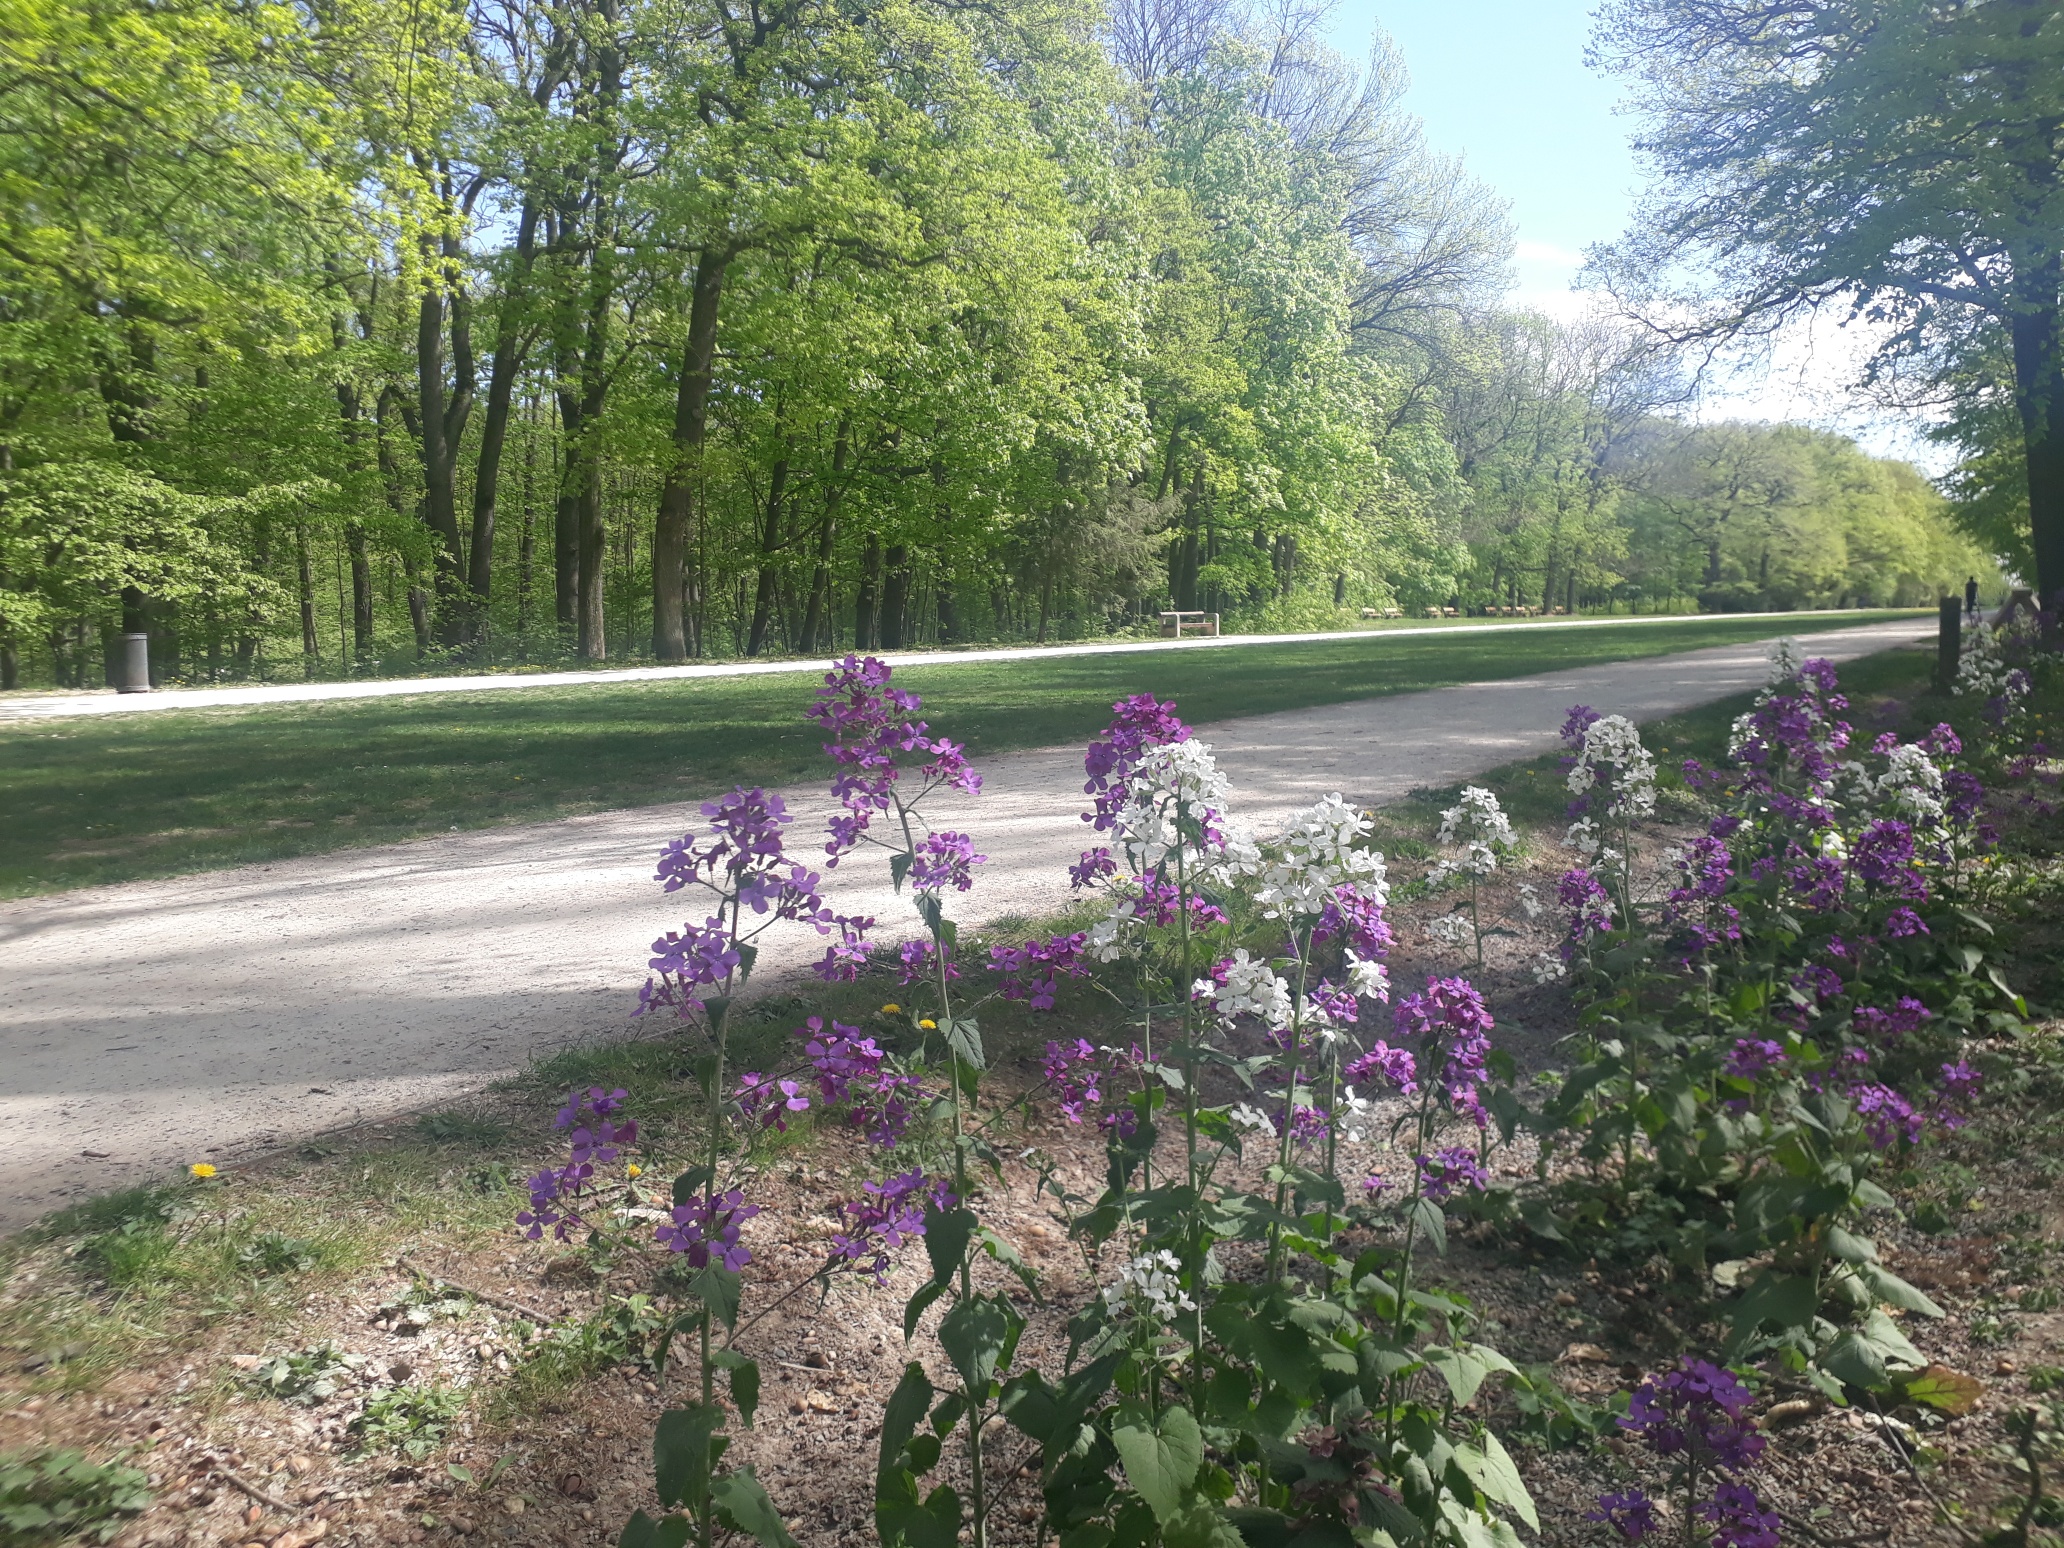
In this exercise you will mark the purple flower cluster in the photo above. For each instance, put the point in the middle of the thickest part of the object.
(916, 963)
(1903, 924)
(1159, 898)
(1696, 1411)
(1451, 1024)
(1792, 731)
(1883, 856)
(1394, 1066)
(873, 734)
(705, 1230)
(1441, 1173)
(1032, 972)
(1738, 1517)
(1887, 1116)
(1072, 1068)
(841, 1058)
(770, 1100)
(945, 860)
(1887, 1026)
(597, 1139)
(1631, 1513)
(1356, 920)
(892, 1213)
(1137, 723)
(1588, 904)
(1751, 1057)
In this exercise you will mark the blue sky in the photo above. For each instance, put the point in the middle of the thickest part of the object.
(1504, 83)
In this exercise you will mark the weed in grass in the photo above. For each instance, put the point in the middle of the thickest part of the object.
(59, 1495)
(456, 1126)
(567, 1354)
(109, 1212)
(274, 1252)
(412, 1421)
(2045, 1378)
(306, 1376)
(134, 1253)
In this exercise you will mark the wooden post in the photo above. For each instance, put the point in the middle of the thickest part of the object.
(1949, 642)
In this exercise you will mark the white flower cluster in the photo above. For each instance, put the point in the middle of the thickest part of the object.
(1477, 826)
(1613, 741)
(1548, 967)
(1786, 657)
(1366, 979)
(1354, 1114)
(1449, 929)
(1910, 788)
(1317, 853)
(1982, 670)
(1150, 1285)
(1252, 988)
(1253, 1120)
(1170, 778)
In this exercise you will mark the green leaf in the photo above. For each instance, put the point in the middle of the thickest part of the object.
(641, 1531)
(899, 867)
(719, 1289)
(743, 1506)
(946, 1241)
(906, 1409)
(907, 1524)
(689, 1186)
(463, 1474)
(964, 1037)
(1950, 1392)
(1501, 1481)
(1788, 1300)
(681, 1453)
(1854, 1360)
(748, 954)
(1433, 1225)
(917, 1306)
(745, 1382)
(1458, 1369)
(1894, 1291)
(975, 1335)
(1160, 1455)
(1201, 1526)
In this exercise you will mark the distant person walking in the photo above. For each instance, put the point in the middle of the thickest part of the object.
(1971, 596)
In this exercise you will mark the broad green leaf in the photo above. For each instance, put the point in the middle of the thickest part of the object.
(906, 1409)
(1894, 1291)
(1951, 1392)
(641, 1531)
(1432, 1224)
(1161, 1455)
(1201, 1526)
(681, 1452)
(975, 1335)
(743, 1506)
(964, 1037)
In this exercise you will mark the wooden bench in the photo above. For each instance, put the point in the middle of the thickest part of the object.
(1172, 624)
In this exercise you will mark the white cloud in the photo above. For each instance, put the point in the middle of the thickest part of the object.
(1547, 253)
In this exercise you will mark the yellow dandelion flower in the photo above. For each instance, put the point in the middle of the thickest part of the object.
(892, 1010)
(632, 1169)
(202, 1169)
(929, 1025)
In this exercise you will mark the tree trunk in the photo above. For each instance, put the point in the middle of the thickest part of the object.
(1713, 562)
(441, 419)
(684, 473)
(867, 600)
(566, 516)
(2036, 329)
(816, 614)
(509, 349)
(526, 546)
(895, 597)
(361, 592)
(770, 548)
(304, 585)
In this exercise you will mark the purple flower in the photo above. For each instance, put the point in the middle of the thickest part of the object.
(1308, 1125)
(1393, 1066)
(1752, 1057)
(872, 733)
(1887, 1116)
(1815, 880)
(1031, 972)
(1738, 1517)
(770, 1099)
(692, 956)
(1451, 1022)
(945, 860)
(1884, 1026)
(1589, 906)
(892, 1213)
(705, 1230)
(885, 1106)
(1960, 1081)
(1137, 724)
(1159, 898)
(1356, 920)
(847, 957)
(1695, 1409)
(840, 1057)
(1816, 984)
(1443, 1172)
(1072, 1069)
(1373, 1185)
(1582, 717)
(1883, 857)
(915, 963)
(1632, 1514)
(1336, 1004)
(1903, 923)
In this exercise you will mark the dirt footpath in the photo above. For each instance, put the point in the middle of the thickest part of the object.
(146, 1026)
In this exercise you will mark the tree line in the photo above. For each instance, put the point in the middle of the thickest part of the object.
(353, 334)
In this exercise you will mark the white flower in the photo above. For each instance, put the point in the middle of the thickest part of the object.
(1150, 1285)
(1117, 934)
(1252, 988)
(1582, 835)
(1253, 1119)
(1530, 900)
(1478, 827)
(1911, 786)
(1548, 967)
(1615, 741)
(1367, 980)
(1353, 1114)
(1316, 854)
(1449, 929)
(1983, 671)
(1833, 846)
(1785, 660)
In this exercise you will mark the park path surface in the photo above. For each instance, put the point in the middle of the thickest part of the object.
(54, 706)
(215, 1016)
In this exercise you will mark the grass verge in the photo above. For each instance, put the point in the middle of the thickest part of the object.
(90, 802)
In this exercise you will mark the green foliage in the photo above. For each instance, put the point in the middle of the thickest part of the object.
(58, 1496)
(411, 1421)
(307, 1376)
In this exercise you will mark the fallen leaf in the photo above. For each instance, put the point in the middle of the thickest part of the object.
(1952, 1392)
(1586, 1354)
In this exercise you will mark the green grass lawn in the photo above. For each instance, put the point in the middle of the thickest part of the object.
(113, 799)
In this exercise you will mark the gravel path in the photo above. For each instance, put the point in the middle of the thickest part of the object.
(60, 705)
(213, 1016)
